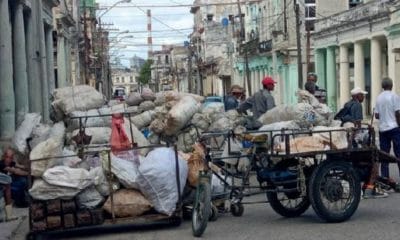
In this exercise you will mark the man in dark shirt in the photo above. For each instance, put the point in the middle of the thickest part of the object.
(19, 179)
(319, 93)
(261, 101)
(232, 100)
(354, 112)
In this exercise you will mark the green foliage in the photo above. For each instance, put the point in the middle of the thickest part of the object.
(145, 72)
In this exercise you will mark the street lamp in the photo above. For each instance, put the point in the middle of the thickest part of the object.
(111, 7)
(119, 40)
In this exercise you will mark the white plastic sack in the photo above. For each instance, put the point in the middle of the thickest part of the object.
(126, 171)
(134, 99)
(306, 97)
(47, 150)
(95, 121)
(68, 177)
(100, 181)
(278, 114)
(100, 135)
(144, 119)
(213, 107)
(89, 198)
(41, 190)
(39, 134)
(24, 131)
(157, 179)
(76, 98)
(338, 138)
(181, 114)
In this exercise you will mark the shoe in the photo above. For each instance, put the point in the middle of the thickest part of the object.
(372, 193)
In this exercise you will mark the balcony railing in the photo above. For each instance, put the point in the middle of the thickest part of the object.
(372, 10)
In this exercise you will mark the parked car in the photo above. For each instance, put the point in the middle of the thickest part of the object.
(119, 94)
(213, 99)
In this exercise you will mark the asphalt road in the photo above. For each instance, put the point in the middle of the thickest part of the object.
(374, 219)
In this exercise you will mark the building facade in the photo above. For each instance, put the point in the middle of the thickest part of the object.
(161, 75)
(358, 47)
(26, 61)
(124, 78)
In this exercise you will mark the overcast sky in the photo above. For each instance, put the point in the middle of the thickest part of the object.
(130, 17)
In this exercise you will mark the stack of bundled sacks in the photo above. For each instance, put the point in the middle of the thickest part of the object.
(307, 114)
(144, 179)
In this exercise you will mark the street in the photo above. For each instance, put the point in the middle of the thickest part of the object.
(374, 219)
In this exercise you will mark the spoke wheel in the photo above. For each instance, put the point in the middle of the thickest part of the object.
(334, 191)
(201, 209)
(288, 205)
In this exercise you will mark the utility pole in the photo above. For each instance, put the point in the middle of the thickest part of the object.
(284, 18)
(85, 63)
(298, 37)
(246, 57)
(190, 87)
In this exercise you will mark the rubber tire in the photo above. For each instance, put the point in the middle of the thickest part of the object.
(277, 206)
(315, 197)
(213, 214)
(237, 209)
(203, 195)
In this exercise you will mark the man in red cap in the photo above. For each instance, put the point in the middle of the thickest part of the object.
(261, 101)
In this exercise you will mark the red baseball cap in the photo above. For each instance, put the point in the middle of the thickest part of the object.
(268, 80)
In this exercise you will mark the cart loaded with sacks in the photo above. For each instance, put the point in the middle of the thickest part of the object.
(323, 168)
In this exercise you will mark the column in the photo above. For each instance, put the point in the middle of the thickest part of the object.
(20, 70)
(359, 65)
(344, 75)
(68, 62)
(43, 65)
(7, 102)
(61, 62)
(320, 66)
(50, 59)
(331, 78)
(34, 85)
(376, 70)
(253, 80)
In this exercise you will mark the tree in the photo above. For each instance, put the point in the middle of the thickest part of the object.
(145, 72)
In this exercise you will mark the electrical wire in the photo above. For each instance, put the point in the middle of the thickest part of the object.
(184, 5)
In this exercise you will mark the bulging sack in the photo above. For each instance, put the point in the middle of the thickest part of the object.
(24, 131)
(134, 99)
(157, 179)
(181, 114)
(127, 203)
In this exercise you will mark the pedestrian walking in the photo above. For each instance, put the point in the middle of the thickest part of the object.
(387, 111)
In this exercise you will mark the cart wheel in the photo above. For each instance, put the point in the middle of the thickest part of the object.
(237, 209)
(201, 209)
(288, 205)
(175, 221)
(213, 214)
(334, 191)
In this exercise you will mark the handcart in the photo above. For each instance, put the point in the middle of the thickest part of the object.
(329, 179)
(72, 220)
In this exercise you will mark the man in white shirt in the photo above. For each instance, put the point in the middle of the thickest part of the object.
(387, 110)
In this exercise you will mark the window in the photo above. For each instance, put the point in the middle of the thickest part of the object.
(117, 80)
(158, 59)
(122, 79)
(310, 15)
(131, 78)
(166, 59)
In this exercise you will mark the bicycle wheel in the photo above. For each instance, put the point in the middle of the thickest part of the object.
(287, 205)
(201, 208)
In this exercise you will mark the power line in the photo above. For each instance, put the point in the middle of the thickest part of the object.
(183, 5)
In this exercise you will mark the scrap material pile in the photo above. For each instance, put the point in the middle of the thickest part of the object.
(71, 188)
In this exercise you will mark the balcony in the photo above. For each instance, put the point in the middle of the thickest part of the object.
(369, 11)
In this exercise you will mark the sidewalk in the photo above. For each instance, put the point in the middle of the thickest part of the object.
(16, 229)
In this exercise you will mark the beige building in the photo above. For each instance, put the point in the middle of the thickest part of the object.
(357, 48)
(124, 78)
